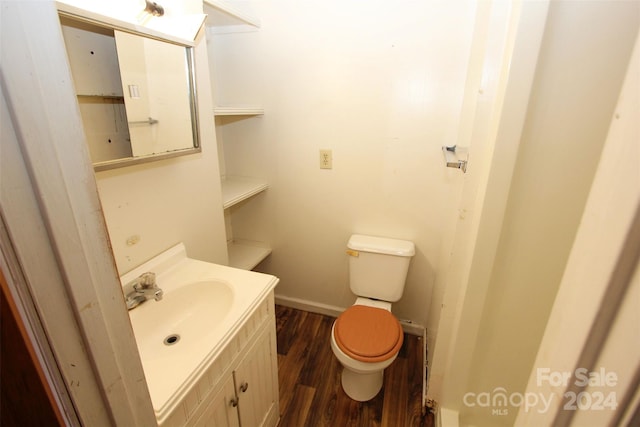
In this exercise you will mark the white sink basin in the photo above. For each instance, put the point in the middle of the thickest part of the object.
(180, 336)
(182, 320)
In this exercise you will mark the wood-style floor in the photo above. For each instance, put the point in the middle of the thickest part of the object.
(309, 379)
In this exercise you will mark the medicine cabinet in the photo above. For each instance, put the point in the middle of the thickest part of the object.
(136, 92)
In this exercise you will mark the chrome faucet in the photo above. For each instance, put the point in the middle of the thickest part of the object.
(141, 289)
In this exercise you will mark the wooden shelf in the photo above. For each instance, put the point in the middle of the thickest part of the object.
(223, 13)
(238, 111)
(246, 254)
(236, 189)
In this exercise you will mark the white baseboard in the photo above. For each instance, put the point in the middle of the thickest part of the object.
(305, 305)
(334, 311)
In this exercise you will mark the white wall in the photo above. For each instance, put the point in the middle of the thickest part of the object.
(380, 84)
(583, 58)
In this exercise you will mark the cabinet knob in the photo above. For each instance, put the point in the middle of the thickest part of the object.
(233, 402)
(244, 387)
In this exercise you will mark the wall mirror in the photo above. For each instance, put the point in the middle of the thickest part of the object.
(136, 94)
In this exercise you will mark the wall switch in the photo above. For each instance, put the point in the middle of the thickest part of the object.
(326, 160)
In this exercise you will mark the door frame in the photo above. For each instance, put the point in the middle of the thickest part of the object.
(56, 232)
(606, 256)
(504, 55)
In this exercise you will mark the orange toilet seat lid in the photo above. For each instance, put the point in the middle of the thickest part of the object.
(368, 334)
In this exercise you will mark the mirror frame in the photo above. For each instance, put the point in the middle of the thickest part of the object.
(114, 24)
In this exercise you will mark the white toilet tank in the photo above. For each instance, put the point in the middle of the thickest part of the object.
(378, 266)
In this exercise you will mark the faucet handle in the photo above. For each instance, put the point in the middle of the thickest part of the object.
(147, 280)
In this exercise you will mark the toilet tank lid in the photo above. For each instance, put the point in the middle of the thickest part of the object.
(381, 245)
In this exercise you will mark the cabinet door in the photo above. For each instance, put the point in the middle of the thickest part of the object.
(256, 382)
(222, 411)
(93, 59)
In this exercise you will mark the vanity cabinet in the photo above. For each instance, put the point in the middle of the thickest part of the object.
(240, 387)
(253, 381)
(223, 409)
(243, 187)
(248, 396)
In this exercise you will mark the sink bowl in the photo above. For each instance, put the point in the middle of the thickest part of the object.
(181, 320)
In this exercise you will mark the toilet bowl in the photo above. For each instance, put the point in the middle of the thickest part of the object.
(367, 337)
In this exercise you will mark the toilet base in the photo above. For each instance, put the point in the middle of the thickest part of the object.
(361, 387)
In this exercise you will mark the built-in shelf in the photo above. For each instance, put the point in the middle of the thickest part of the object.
(225, 17)
(222, 13)
(238, 111)
(246, 254)
(236, 189)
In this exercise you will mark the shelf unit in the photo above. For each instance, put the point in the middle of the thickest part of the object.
(224, 17)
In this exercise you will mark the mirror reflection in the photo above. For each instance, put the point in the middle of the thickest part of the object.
(136, 94)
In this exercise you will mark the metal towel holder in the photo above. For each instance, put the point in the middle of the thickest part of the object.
(149, 121)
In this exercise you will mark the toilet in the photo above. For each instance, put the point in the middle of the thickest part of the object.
(366, 337)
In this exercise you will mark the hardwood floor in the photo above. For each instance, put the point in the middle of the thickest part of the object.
(309, 379)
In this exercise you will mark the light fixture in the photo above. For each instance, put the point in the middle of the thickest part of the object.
(153, 8)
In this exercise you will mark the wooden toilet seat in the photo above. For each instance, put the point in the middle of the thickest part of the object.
(368, 334)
